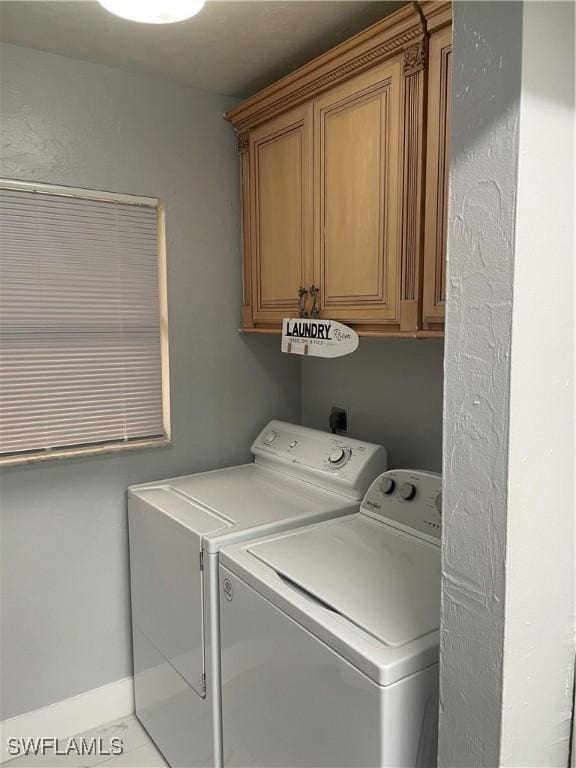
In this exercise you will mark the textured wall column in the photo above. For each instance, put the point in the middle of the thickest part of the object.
(507, 665)
(485, 108)
(540, 575)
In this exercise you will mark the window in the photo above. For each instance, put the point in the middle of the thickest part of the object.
(83, 326)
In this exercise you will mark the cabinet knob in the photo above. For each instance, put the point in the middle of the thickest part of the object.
(302, 302)
(315, 293)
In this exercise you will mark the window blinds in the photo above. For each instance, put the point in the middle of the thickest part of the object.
(80, 345)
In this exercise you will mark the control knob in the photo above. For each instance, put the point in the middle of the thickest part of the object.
(387, 485)
(338, 457)
(269, 437)
(407, 491)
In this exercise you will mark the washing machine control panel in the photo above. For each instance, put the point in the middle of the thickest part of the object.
(408, 499)
(335, 462)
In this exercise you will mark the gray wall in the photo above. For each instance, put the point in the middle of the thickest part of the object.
(393, 390)
(65, 601)
(484, 158)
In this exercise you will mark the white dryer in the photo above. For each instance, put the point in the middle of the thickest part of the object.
(177, 528)
(329, 636)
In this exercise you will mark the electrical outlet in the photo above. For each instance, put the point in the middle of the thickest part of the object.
(338, 420)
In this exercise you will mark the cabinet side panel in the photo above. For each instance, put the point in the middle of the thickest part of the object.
(243, 143)
(412, 186)
(443, 169)
(440, 81)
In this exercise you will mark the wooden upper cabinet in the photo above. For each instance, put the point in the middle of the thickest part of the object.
(437, 170)
(344, 185)
(281, 213)
(356, 179)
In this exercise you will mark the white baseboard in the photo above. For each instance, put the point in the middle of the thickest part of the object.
(71, 716)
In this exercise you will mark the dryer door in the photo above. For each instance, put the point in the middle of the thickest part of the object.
(166, 532)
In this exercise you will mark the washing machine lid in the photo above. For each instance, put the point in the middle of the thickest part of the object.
(227, 505)
(384, 581)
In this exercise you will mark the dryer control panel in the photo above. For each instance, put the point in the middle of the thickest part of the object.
(407, 499)
(335, 462)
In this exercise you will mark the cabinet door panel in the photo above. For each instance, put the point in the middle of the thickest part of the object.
(357, 154)
(439, 92)
(281, 158)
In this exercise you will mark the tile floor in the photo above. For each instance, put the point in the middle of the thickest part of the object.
(139, 751)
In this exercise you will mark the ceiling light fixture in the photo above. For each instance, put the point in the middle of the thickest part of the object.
(154, 11)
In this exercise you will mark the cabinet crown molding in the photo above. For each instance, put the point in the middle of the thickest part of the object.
(390, 37)
(438, 13)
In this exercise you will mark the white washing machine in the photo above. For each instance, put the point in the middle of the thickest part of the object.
(329, 636)
(177, 528)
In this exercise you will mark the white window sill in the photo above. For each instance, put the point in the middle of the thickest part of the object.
(89, 450)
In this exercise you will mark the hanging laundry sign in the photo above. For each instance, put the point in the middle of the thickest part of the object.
(317, 338)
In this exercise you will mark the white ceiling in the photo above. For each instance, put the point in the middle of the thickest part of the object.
(232, 47)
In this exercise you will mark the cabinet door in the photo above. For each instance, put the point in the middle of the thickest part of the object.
(437, 166)
(357, 147)
(281, 213)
